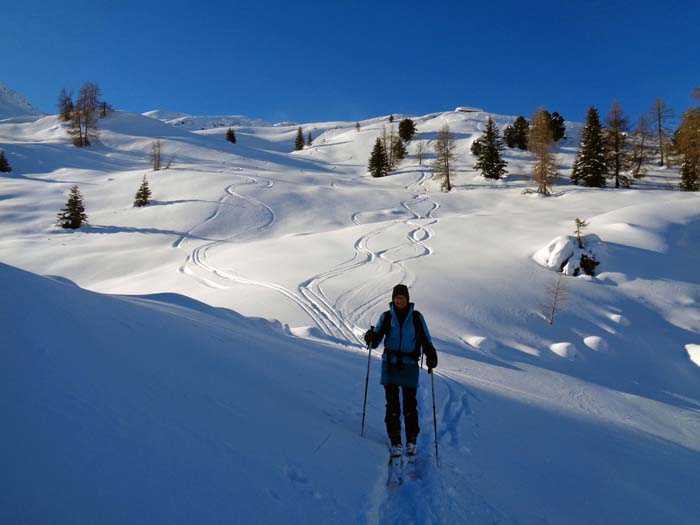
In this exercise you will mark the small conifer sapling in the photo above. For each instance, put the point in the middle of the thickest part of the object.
(581, 224)
(73, 215)
(299, 141)
(143, 195)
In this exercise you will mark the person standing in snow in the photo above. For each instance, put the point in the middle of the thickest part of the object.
(404, 332)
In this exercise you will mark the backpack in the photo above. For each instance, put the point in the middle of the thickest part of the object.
(421, 339)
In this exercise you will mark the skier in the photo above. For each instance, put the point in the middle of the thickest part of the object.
(404, 332)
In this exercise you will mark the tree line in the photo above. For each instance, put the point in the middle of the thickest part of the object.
(608, 151)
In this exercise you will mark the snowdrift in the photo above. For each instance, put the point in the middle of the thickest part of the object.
(162, 409)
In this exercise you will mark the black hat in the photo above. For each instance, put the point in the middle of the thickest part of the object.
(400, 289)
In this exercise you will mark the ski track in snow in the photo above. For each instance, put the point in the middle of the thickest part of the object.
(338, 319)
(431, 498)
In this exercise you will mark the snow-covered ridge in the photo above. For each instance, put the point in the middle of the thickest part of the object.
(197, 122)
(12, 104)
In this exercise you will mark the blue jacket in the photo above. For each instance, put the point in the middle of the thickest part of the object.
(401, 338)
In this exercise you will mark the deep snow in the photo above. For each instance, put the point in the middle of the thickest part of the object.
(172, 408)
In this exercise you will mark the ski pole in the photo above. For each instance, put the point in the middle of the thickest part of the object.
(432, 384)
(364, 403)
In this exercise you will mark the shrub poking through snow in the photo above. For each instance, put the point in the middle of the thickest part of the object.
(557, 296)
(4, 165)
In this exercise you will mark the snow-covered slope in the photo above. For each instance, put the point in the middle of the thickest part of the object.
(12, 104)
(192, 122)
(592, 419)
(160, 409)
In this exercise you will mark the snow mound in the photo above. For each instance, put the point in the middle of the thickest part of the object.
(563, 254)
(565, 350)
(693, 353)
(556, 254)
(595, 342)
(12, 104)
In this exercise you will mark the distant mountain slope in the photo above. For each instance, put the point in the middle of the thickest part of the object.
(12, 104)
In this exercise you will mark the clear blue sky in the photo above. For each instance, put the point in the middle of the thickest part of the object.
(310, 61)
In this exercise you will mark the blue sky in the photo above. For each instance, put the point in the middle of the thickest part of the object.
(349, 60)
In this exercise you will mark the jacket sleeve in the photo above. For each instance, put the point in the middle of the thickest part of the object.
(425, 330)
(428, 347)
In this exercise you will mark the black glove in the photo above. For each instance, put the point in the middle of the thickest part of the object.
(370, 336)
(431, 357)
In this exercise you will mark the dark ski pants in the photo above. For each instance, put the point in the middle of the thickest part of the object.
(393, 413)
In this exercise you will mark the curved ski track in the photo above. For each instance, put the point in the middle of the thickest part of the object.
(331, 317)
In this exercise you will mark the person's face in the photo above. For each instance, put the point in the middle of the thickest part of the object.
(400, 302)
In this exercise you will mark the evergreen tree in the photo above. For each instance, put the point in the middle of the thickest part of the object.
(478, 146)
(687, 145)
(590, 165)
(489, 160)
(378, 161)
(231, 136)
(558, 126)
(73, 215)
(539, 143)
(407, 129)
(299, 142)
(357, 126)
(516, 136)
(391, 118)
(444, 155)
(616, 145)
(143, 195)
(309, 139)
(4, 165)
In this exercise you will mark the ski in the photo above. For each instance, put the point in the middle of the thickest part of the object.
(394, 478)
(409, 468)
